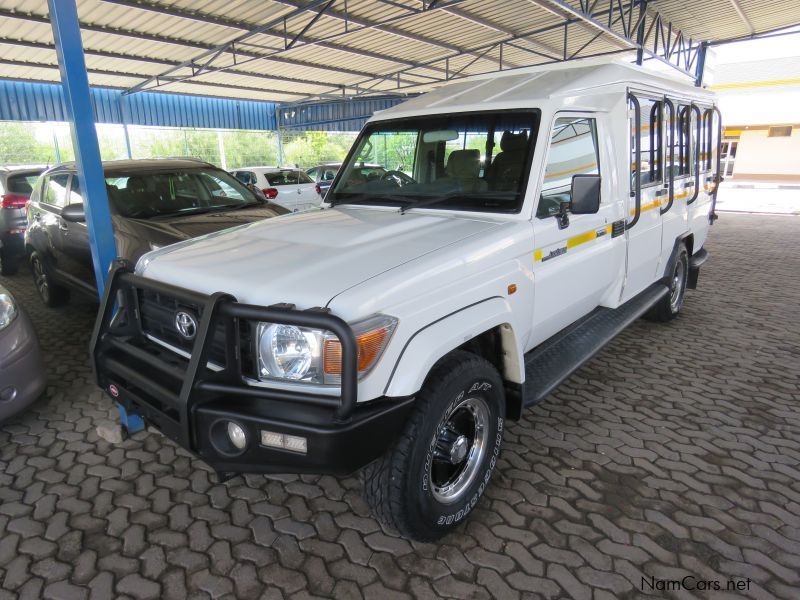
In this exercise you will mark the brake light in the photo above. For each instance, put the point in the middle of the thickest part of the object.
(13, 201)
(319, 189)
(270, 193)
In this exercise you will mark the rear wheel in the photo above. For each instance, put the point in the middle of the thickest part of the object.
(670, 305)
(9, 265)
(50, 292)
(437, 471)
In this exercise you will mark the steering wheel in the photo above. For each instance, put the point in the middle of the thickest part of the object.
(398, 177)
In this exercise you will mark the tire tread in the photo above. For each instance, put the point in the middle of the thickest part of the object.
(383, 479)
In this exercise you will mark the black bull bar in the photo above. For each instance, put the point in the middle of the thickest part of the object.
(167, 388)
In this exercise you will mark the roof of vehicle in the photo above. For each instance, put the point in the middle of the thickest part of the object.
(21, 169)
(535, 86)
(140, 164)
(269, 169)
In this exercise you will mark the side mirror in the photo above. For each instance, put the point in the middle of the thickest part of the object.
(74, 213)
(585, 194)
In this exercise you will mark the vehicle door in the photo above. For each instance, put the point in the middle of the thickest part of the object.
(578, 258)
(75, 253)
(648, 193)
(677, 174)
(45, 216)
(707, 175)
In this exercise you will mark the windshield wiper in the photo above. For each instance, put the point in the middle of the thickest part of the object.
(234, 206)
(423, 202)
(364, 198)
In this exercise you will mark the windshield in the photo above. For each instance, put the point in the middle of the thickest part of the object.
(469, 161)
(143, 195)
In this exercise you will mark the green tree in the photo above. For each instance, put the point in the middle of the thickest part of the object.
(19, 145)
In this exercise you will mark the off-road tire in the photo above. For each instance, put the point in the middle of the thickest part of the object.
(9, 265)
(398, 486)
(51, 293)
(670, 305)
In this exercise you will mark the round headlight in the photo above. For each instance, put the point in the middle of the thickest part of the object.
(8, 309)
(285, 352)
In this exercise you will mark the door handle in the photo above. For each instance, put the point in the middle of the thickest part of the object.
(37, 216)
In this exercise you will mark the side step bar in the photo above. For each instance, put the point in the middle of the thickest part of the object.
(555, 359)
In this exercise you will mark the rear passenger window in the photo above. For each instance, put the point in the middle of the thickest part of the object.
(710, 146)
(75, 194)
(54, 192)
(684, 150)
(650, 138)
(573, 151)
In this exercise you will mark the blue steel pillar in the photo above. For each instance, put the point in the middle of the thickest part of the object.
(75, 82)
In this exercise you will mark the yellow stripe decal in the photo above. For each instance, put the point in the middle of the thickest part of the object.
(577, 240)
(572, 242)
(658, 202)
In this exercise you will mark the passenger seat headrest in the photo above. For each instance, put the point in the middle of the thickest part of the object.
(464, 163)
(513, 141)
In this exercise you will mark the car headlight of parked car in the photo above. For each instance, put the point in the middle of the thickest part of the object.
(291, 353)
(8, 310)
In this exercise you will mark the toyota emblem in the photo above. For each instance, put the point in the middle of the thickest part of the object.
(186, 324)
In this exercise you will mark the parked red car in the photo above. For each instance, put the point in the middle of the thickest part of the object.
(16, 185)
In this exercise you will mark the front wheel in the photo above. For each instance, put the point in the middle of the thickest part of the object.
(50, 292)
(439, 468)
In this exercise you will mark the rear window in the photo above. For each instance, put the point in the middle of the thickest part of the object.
(22, 183)
(287, 178)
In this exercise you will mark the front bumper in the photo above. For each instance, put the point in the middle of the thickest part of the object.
(22, 374)
(192, 403)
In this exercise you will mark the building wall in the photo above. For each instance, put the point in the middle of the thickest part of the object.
(28, 101)
(760, 157)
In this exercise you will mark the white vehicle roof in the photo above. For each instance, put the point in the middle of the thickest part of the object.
(581, 85)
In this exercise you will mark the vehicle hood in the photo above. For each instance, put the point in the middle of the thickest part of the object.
(306, 258)
(183, 227)
(138, 236)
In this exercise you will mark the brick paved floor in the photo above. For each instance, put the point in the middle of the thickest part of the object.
(675, 452)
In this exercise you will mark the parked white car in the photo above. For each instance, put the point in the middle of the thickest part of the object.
(400, 326)
(291, 188)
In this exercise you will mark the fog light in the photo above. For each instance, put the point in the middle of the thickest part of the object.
(293, 443)
(237, 435)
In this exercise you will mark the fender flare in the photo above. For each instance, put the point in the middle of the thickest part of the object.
(681, 239)
(427, 345)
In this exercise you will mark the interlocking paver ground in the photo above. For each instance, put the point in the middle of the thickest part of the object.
(676, 451)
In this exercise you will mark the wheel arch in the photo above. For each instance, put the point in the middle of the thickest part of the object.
(485, 329)
(685, 239)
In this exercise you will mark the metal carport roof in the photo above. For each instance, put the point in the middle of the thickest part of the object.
(290, 51)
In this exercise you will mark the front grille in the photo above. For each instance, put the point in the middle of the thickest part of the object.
(157, 312)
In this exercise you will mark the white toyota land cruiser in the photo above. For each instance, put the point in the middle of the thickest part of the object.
(525, 219)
